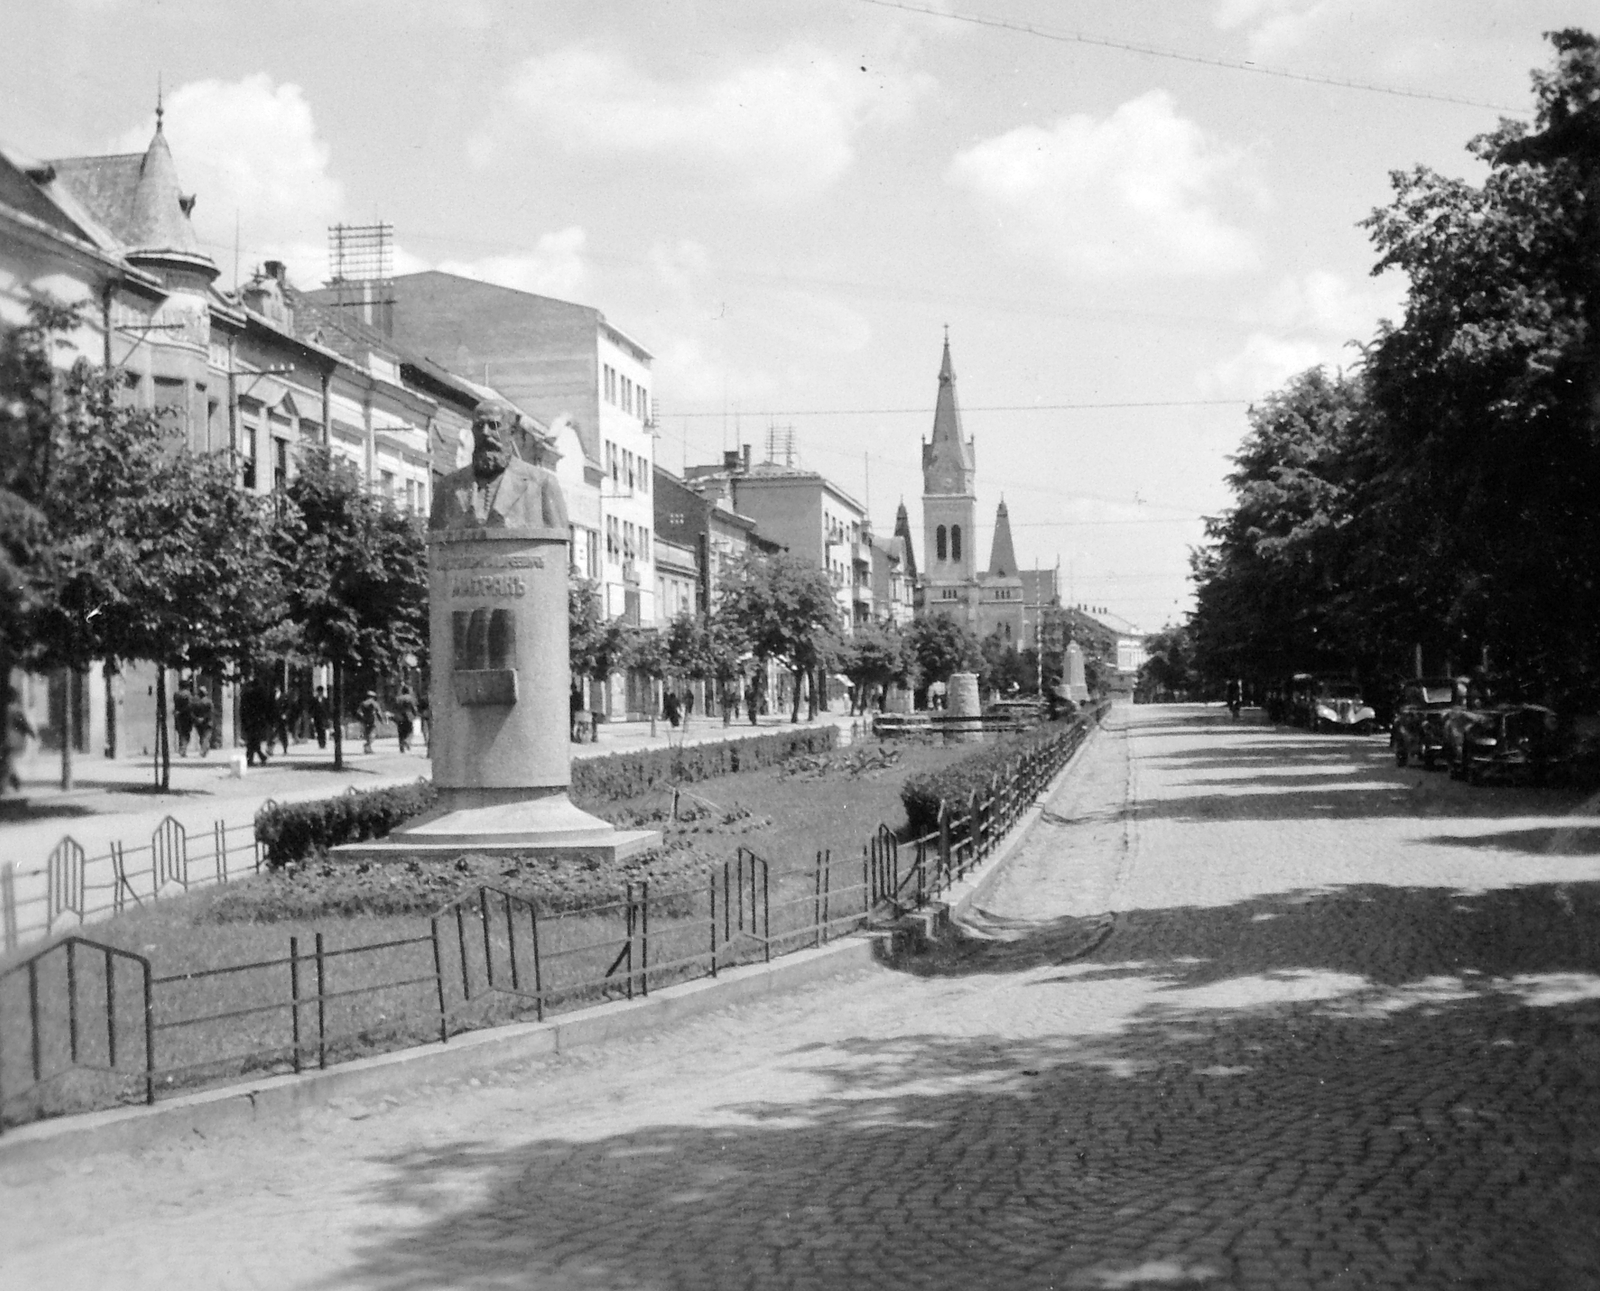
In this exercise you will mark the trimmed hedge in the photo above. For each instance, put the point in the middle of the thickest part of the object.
(295, 830)
(627, 775)
(922, 794)
(291, 832)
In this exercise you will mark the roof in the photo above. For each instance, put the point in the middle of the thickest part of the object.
(138, 198)
(1002, 555)
(947, 460)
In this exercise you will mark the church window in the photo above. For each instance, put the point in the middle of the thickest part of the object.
(955, 542)
(939, 541)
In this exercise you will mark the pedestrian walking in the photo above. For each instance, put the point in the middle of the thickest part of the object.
(319, 717)
(669, 708)
(200, 716)
(688, 705)
(1235, 697)
(255, 719)
(405, 717)
(182, 717)
(369, 714)
(282, 717)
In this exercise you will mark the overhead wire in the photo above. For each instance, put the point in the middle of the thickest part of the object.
(1204, 60)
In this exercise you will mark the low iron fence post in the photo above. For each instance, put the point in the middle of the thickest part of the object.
(438, 978)
(322, 1017)
(149, 1035)
(294, 998)
(714, 921)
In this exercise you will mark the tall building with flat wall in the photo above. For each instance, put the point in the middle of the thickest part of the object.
(563, 364)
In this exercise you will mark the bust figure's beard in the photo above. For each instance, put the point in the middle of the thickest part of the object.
(489, 462)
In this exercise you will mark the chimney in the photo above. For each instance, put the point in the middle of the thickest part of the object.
(747, 457)
(277, 271)
(730, 459)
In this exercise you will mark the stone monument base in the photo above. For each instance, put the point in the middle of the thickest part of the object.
(504, 822)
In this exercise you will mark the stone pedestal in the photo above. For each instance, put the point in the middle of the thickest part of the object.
(962, 697)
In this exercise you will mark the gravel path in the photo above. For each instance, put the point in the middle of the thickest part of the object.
(1249, 1009)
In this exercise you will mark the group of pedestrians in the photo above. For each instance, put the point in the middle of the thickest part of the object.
(193, 714)
(678, 708)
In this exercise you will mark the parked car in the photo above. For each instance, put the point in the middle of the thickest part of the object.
(1512, 740)
(1476, 705)
(1337, 705)
(1419, 720)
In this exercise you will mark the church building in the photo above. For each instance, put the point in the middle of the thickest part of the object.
(990, 602)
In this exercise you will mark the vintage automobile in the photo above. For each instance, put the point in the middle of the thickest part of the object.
(1417, 734)
(1337, 705)
(1513, 741)
(1476, 704)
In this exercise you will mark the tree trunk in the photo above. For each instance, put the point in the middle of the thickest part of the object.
(66, 729)
(794, 713)
(338, 715)
(655, 703)
(7, 771)
(163, 749)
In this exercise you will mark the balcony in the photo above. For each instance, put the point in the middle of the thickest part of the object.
(630, 572)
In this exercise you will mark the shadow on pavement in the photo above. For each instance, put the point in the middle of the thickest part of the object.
(1242, 1106)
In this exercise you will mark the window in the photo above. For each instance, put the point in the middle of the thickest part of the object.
(644, 543)
(955, 542)
(610, 384)
(411, 495)
(939, 542)
(591, 554)
(642, 398)
(616, 465)
(280, 464)
(386, 481)
(627, 395)
(613, 539)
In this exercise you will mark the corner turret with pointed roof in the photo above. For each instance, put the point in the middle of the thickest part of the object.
(139, 200)
(1002, 555)
(948, 460)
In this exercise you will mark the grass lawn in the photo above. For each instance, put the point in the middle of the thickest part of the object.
(378, 978)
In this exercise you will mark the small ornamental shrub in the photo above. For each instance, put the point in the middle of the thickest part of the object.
(627, 775)
(955, 783)
(294, 831)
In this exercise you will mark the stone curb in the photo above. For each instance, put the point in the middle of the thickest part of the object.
(965, 894)
(132, 1128)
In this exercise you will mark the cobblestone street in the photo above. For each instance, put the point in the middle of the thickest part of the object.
(1248, 1009)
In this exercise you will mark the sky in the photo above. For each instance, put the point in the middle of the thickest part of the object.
(788, 202)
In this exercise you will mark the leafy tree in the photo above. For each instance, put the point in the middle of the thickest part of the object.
(941, 646)
(1003, 666)
(649, 652)
(1169, 662)
(785, 609)
(27, 411)
(597, 646)
(1273, 594)
(356, 575)
(877, 656)
(1489, 389)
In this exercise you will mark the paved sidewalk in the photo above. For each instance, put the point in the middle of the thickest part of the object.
(117, 798)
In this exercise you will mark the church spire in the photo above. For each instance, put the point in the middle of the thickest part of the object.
(1002, 555)
(947, 461)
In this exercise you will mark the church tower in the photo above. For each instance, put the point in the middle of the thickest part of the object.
(949, 507)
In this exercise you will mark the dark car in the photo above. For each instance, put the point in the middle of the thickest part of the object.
(1477, 704)
(1419, 719)
(1513, 741)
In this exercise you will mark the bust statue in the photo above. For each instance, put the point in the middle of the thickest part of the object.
(499, 490)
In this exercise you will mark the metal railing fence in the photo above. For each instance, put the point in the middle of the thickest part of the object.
(488, 957)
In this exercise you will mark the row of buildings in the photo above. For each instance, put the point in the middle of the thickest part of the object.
(385, 371)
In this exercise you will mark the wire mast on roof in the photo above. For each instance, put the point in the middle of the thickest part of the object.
(361, 271)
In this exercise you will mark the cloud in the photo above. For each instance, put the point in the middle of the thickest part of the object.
(250, 148)
(774, 130)
(555, 267)
(1305, 320)
(1135, 194)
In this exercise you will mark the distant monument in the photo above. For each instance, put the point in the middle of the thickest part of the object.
(1077, 688)
(497, 628)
